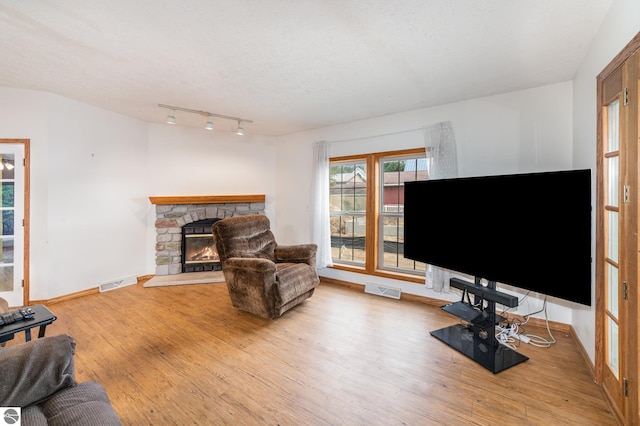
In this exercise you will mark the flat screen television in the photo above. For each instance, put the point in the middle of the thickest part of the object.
(531, 231)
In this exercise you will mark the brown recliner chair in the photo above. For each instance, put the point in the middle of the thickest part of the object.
(263, 277)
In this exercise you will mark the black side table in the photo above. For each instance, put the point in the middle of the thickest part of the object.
(42, 318)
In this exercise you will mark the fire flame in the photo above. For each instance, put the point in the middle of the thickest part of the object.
(207, 253)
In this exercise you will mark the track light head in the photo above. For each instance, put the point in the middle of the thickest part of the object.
(171, 118)
(209, 125)
(240, 129)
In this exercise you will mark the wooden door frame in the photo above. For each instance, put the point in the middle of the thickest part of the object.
(632, 403)
(27, 214)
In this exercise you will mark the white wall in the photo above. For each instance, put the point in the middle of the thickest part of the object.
(96, 179)
(619, 27)
(523, 131)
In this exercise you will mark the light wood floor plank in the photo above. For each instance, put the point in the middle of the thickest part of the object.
(183, 355)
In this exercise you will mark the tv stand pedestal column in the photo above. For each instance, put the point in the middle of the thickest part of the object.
(477, 339)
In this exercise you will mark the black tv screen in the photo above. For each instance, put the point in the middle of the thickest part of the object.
(531, 231)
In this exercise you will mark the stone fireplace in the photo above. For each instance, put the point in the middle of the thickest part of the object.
(183, 229)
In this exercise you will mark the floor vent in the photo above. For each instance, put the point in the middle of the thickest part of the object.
(381, 290)
(121, 282)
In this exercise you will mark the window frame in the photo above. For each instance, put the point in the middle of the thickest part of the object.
(372, 214)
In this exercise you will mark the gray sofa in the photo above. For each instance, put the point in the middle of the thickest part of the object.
(39, 377)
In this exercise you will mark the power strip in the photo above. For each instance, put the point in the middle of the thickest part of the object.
(520, 337)
(511, 333)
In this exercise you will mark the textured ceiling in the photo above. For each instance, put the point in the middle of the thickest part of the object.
(290, 65)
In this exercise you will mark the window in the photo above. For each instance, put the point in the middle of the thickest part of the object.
(348, 206)
(367, 212)
(395, 172)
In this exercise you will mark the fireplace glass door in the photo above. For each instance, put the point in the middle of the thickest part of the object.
(199, 252)
(200, 249)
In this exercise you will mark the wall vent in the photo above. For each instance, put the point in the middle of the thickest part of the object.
(381, 290)
(121, 282)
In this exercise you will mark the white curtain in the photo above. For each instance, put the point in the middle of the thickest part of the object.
(320, 225)
(440, 144)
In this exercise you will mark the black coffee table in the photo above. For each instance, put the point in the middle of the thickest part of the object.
(42, 318)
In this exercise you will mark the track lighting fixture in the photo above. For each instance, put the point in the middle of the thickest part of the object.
(240, 129)
(171, 118)
(209, 125)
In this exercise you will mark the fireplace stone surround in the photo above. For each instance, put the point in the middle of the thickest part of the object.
(174, 212)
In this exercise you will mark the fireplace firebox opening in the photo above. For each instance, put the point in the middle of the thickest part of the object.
(199, 252)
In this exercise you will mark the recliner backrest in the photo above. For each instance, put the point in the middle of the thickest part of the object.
(244, 236)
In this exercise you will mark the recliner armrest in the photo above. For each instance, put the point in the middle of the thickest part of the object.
(300, 253)
(252, 284)
(257, 264)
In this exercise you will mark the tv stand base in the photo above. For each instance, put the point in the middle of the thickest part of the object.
(485, 350)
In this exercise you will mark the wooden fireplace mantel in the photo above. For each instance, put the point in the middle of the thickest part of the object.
(207, 199)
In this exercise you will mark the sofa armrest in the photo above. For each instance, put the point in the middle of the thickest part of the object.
(30, 372)
(300, 253)
(85, 404)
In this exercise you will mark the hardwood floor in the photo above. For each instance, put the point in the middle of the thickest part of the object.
(183, 355)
